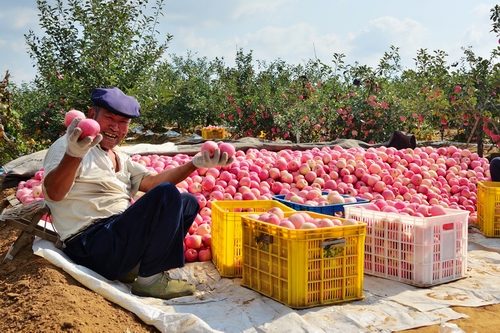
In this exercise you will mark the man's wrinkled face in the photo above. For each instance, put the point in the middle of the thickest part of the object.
(114, 127)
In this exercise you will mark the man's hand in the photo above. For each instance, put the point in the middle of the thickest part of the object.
(203, 160)
(79, 148)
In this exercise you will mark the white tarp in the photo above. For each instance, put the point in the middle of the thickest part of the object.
(223, 305)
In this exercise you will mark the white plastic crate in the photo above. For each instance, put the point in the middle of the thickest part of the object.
(420, 251)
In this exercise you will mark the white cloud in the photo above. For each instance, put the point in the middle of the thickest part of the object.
(18, 46)
(256, 7)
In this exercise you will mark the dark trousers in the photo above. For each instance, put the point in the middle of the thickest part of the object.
(495, 169)
(150, 232)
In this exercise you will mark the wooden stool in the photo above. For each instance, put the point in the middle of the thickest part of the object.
(27, 218)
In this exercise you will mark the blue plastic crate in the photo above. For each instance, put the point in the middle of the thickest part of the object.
(334, 210)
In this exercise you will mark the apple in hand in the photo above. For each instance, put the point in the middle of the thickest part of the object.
(210, 146)
(72, 114)
(227, 148)
(89, 127)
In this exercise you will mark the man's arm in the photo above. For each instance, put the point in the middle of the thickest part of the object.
(59, 181)
(178, 174)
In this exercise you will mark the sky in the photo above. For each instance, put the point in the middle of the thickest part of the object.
(289, 30)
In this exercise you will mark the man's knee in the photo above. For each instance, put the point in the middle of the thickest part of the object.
(190, 203)
(495, 169)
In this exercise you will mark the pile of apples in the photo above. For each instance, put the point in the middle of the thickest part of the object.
(30, 190)
(445, 176)
(299, 220)
(198, 240)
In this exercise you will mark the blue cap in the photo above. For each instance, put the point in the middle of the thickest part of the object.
(115, 101)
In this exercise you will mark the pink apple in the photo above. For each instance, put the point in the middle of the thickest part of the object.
(72, 114)
(89, 127)
(273, 219)
(350, 221)
(437, 210)
(286, 223)
(214, 172)
(226, 147)
(210, 146)
(39, 175)
(297, 220)
(208, 183)
(277, 211)
(203, 229)
(205, 211)
(325, 223)
(335, 198)
(195, 188)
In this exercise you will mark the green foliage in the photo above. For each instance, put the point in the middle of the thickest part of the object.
(87, 44)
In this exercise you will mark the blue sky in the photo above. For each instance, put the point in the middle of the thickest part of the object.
(290, 30)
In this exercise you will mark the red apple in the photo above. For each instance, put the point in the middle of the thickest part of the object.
(191, 255)
(210, 146)
(193, 241)
(205, 255)
(72, 114)
(437, 210)
(193, 228)
(206, 239)
(89, 127)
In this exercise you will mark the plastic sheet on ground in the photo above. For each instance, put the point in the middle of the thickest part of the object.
(223, 305)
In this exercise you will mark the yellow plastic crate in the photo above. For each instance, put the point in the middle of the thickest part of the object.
(226, 231)
(419, 251)
(303, 268)
(488, 208)
(213, 133)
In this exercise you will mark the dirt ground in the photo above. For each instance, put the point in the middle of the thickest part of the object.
(36, 296)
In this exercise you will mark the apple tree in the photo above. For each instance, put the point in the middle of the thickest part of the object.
(88, 44)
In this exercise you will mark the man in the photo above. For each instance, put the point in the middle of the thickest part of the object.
(89, 184)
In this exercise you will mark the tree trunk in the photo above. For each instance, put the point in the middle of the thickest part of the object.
(480, 134)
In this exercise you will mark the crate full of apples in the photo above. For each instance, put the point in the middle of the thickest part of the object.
(315, 200)
(303, 259)
(415, 244)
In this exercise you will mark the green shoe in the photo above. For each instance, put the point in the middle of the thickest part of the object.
(164, 287)
(129, 278)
